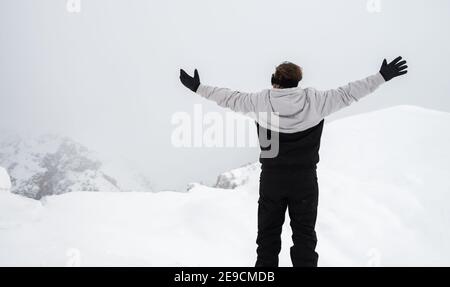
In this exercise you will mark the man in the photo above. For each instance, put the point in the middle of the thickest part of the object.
(289, 180)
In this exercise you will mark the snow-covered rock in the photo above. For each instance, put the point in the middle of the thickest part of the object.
(239, 176)
(5, 182)
(384, 194)
(53, 164)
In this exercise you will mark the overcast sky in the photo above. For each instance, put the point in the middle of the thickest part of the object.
(108, 76)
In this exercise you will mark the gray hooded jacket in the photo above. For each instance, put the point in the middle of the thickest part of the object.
(296, 109)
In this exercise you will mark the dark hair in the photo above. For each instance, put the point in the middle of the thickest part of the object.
(287, 75)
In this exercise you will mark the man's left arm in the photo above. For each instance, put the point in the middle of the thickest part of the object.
(234, 100)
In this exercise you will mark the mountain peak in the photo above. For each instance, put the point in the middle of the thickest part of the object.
(54, 164)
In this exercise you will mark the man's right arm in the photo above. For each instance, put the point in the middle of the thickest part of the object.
(330, 101)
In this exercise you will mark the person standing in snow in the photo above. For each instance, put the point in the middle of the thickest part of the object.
(289, 179)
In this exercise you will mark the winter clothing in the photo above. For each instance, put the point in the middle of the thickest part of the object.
(189, 82)
(393, 69)
(298, 150)
(298, 109)
(297, 191)
(288, 179)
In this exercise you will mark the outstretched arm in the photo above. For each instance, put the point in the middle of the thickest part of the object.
(328, 102)
(234, 100)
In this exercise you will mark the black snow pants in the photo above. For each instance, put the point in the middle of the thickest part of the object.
(297, 191)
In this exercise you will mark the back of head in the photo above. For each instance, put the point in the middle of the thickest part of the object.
(287, 75)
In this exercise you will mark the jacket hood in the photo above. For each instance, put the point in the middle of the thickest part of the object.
(287, 102)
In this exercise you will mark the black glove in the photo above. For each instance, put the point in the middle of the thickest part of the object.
(393, 69)
(189, 82)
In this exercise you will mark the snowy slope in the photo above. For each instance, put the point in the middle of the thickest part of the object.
(5, 181)
(53, 164)
(384, 194)
(385, 188)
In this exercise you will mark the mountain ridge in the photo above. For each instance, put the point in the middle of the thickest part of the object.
(52, 164)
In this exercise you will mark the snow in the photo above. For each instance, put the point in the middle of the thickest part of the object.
(53, 164)
(384, 194)
(5, 181)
